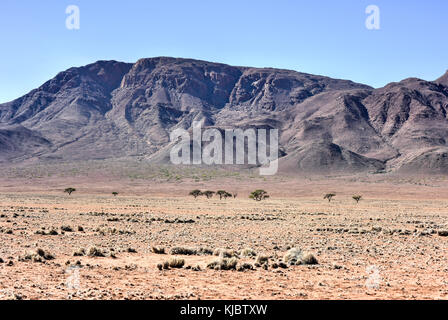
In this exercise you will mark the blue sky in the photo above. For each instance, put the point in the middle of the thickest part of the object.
(325, 37)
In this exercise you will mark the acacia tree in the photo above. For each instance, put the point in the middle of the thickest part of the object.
(69, 191)
(223, 194)
(357, 198)
(259, 195)
(208, 194)
(196, 193)
(329, 196)
(115, 193)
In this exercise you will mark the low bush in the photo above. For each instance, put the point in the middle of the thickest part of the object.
(224, 264)
(176, 263)
(158, 250)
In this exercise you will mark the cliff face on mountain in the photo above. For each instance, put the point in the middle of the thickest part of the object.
(111, 109)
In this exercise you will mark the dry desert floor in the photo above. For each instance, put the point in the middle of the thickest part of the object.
(92, 245)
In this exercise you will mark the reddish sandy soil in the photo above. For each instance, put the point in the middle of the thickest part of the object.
(389, 246)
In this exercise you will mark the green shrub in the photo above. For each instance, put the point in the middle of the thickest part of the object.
(196, 193)
(329, 196)
(259, 195)
(69, 191)
(209, 194)
(223, 194)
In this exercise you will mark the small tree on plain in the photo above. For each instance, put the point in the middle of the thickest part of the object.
(69, 191)
(208, 194)
(223, 194)
(329, 196)
(196, 193)
(357, 198)
(259, 195)
(115, 193)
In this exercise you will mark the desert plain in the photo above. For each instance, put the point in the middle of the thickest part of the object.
(94, 245)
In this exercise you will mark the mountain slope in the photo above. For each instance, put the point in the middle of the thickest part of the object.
(111, 109)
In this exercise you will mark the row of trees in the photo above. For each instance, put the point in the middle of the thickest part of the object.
(257, 195)
(71, 190)
(330, 196)
(209, 194)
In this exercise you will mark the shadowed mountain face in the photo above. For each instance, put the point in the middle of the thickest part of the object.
(110, 109)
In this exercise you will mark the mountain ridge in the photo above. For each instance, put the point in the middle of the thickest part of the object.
(111, 109)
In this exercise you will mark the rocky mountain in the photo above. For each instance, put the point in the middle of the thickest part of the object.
(111, 109)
